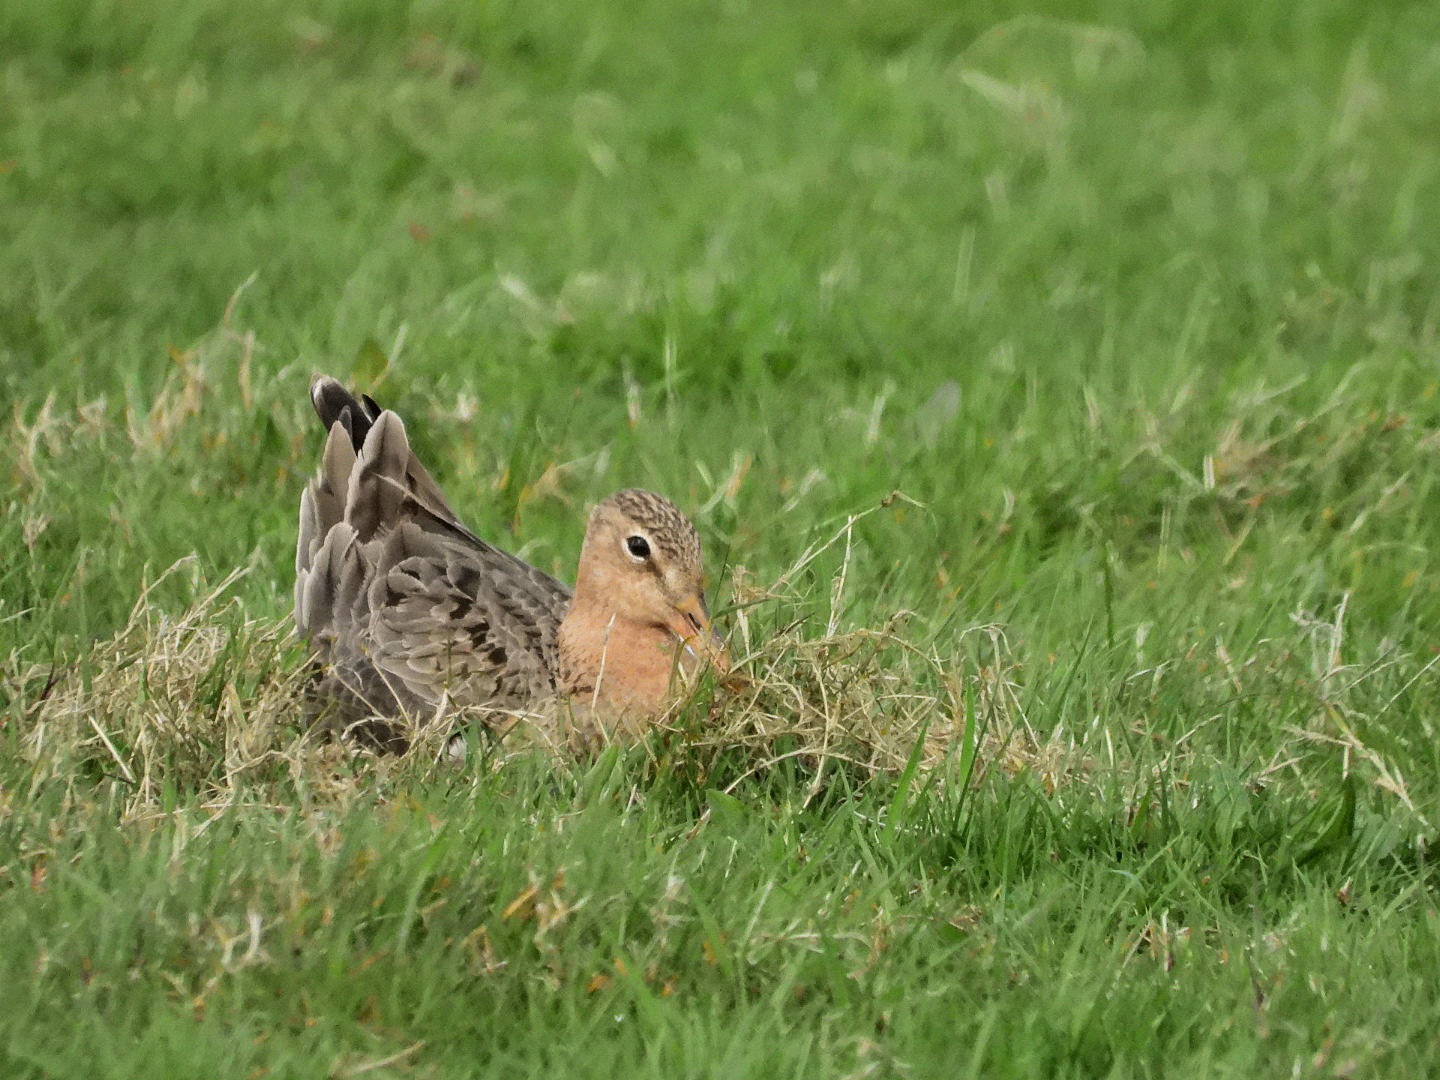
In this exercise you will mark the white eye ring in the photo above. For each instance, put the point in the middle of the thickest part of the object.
(637, 547)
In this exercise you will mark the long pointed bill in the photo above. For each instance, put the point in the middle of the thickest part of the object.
(692, 626)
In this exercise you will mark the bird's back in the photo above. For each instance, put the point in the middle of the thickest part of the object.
(408, 611)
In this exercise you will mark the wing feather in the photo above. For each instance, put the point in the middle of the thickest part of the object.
(406, 608)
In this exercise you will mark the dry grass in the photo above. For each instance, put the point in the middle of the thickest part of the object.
(204, 700)
(212, 702)
(873, 702)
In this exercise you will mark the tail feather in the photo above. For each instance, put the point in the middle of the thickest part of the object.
(336, 405)
(379, 486)
(322, 503)
(386, 575)
(369, 482)
(358, 417)
(316, 609)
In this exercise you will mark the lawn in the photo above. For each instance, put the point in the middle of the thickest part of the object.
(1055, 389)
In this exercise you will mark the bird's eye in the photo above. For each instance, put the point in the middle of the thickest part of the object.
(638, 546)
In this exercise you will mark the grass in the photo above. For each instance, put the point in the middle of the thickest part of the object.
(1106, 748)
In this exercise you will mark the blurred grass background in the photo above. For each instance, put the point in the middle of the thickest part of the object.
(1137, 303)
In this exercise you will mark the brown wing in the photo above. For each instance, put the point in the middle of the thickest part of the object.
(406, 608)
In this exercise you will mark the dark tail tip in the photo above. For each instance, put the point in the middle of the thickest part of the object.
(336, 405)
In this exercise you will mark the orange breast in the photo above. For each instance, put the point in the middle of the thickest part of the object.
(620, 667)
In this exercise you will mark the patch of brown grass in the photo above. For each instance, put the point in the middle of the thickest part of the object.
(204, 700)
(872, 702)
(208, 701)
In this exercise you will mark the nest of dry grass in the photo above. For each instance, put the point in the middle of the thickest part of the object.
(207, 701)
(204, 700)
(867, 702)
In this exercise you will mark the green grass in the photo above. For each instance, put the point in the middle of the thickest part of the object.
(1136, 304)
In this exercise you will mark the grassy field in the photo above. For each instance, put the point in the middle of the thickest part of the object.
(1055, 389)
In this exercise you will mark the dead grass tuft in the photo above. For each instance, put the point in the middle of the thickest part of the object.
(209, 702)
(872, 702)
(204, 701)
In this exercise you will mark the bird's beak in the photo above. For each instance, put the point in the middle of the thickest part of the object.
(692, 626)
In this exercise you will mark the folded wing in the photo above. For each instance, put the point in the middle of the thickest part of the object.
(406, 608)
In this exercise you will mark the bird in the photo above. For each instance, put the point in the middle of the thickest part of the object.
(409, 614)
